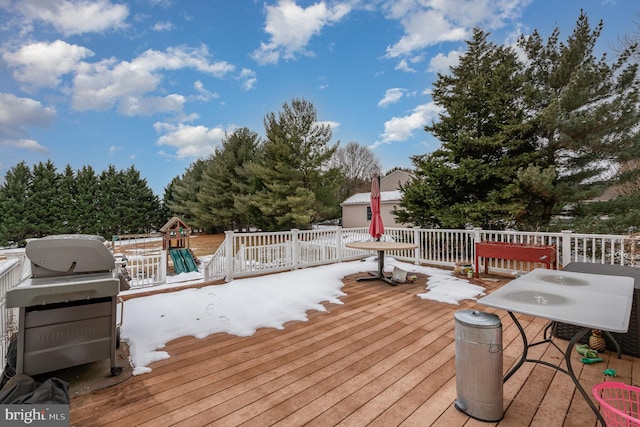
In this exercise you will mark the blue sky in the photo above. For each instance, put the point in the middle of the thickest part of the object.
(157, 83)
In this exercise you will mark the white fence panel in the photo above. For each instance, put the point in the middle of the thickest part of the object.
(10, 276)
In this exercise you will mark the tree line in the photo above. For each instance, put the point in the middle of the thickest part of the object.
(40, 201)
(291, 178)
(529, 132)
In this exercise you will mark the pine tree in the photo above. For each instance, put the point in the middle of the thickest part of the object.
(138, 206)
(226, 182)
(14, 194)
(69, 209)
(87, 205)
(484, 142)
(182, 198)
(45, 211)
(585, 111)
(294, 188)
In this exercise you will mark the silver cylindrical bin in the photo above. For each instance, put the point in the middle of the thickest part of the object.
(479, 365)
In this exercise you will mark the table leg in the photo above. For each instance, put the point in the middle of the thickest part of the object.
(567, 358)
(379, 275)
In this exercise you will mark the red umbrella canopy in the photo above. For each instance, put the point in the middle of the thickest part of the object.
(376, 228)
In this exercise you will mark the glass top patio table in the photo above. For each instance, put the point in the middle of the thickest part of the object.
(592, 301)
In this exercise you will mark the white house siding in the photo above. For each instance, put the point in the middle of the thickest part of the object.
(354, 209)
(392, 181)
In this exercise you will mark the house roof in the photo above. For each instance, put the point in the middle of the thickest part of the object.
(365, 198)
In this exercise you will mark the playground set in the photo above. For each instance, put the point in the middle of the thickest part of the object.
(175, 240)
(174, 235)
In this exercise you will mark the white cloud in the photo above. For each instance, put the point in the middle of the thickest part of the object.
(189, 141)
(205, 94)
(43, 64)
(163, 26)
(248, 78)
(391, 96)
(423, 29)
(428, 23)
(75, 16)
(18, 114)
(401, 128)
(103, 85)
(291, 27)
(146, 106)
(441, 63)
(403, 65)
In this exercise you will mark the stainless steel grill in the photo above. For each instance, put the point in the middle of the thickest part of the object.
(68, 307)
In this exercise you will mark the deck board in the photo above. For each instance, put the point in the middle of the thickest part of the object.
(382, 358)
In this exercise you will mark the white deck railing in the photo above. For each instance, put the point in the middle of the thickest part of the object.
(251, 254)
(10, 276)
(248, 254)
(145, 270)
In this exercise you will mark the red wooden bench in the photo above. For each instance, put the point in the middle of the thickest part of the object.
(543, 254)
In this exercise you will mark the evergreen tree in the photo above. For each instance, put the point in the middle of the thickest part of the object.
(69, 209)
(109, 196)
(87, 205)
(14, 195)
(139, 208)
(181, 197)
(585, 111)
(295, 189)
(484, 142)
(226, 181)
(522, 142)
(45, 211)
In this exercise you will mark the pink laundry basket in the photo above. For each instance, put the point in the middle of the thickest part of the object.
(619, 403)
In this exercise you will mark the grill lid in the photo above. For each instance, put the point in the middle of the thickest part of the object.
(66, 254)
(50, 290)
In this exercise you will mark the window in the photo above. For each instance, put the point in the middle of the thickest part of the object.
(369, 214)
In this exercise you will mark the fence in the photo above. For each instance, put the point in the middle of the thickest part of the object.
(250, 254)
(145, 270)
(244, 254)
(10, 275)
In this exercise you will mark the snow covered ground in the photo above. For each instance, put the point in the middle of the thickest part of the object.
(242, 306)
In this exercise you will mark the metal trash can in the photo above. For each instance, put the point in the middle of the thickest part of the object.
(479, 365)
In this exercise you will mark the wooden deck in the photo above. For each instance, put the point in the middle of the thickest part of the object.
(383, 358)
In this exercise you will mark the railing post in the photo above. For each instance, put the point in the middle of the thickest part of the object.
(162, 268)
(565, 253)
(294, 249)
(476, 235)
(339, 244)
(416, 240)
(229, 255)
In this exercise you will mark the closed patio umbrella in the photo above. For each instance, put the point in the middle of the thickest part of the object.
(376, 228)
